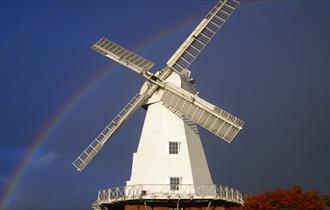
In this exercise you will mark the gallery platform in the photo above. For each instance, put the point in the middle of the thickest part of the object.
(164, 197)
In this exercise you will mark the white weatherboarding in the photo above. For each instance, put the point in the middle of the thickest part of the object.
(170, 159)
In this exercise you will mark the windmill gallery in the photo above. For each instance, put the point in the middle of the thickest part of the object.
(181, 177)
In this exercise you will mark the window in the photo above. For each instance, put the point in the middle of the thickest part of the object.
(174, 183)
(173, 147)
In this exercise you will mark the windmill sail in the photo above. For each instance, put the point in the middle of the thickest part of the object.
(122, 55)
(89, 153)
(205, 114)
(202, 35)
(186, 105)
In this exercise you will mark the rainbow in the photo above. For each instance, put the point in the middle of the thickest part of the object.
(19, 171)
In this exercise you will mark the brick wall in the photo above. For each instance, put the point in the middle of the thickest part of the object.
(165, 207)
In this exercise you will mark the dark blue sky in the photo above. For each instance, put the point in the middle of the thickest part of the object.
(269, 65)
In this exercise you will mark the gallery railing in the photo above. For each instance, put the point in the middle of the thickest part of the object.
(154, 191)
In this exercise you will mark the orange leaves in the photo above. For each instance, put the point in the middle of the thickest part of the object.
(281, 199)
(326, 200)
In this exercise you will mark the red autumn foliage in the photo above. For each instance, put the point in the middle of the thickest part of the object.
(326, 199)
(292, 199)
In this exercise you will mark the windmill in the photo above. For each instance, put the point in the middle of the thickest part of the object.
(170, 163)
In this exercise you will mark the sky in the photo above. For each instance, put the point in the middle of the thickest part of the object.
(269, 65)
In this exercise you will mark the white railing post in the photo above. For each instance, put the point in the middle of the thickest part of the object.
(98, 197)
(108, 195)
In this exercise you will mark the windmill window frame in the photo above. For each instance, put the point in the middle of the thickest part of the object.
(173, 147)
(175, 183)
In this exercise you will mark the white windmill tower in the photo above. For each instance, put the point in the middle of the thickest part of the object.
(169, 168)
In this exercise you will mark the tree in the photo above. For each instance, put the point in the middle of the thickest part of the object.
(292, 199)
(326, 199)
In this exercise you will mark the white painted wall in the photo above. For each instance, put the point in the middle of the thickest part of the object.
(152, 163)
